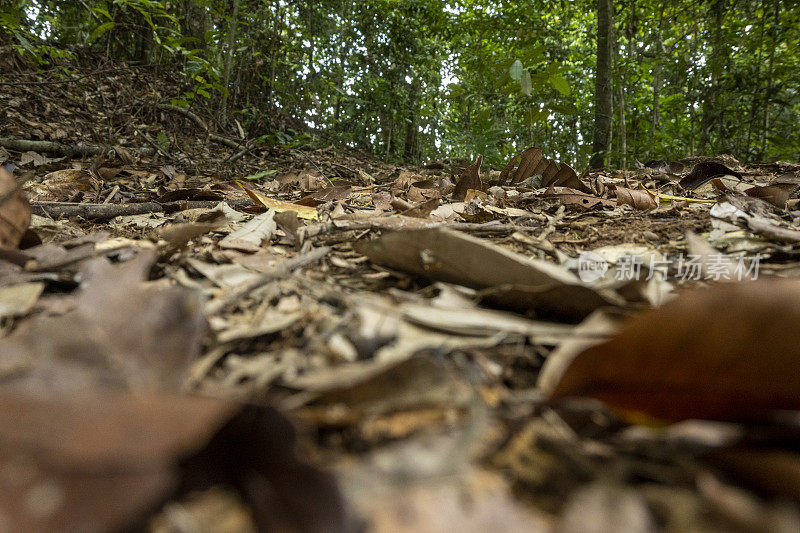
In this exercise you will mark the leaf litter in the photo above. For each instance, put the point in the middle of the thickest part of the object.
(343, 344)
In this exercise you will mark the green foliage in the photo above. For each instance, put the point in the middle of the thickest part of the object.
(419, 79)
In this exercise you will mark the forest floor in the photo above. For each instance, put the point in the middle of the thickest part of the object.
(416, 324)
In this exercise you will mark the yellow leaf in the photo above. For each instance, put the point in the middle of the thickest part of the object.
(303, 211)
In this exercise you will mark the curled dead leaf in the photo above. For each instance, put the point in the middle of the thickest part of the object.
(640, 200)
(470, 178)
(728, 353)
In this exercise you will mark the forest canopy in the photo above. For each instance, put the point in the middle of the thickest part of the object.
(414, 80)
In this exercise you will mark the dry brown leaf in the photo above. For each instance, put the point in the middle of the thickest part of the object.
(303, 211)
(470, 178)
(15, 212)
(422, 210)
(729, 352)
(641, 200)
(103, 463)
(533, 163)
(575, 197)
(705, 171)
(510, 279)
(777, 194)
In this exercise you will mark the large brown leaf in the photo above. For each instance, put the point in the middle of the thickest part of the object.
(532, 162)
(731, 352)
(470, 178)
(15, 212)
(104, 463)
(510, 280)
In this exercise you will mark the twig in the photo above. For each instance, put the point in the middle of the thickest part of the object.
(220, 303)
(108, 211)
(49, 147)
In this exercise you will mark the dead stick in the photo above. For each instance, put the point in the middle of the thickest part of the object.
(108, 211)
(221, 302)
(49, 147)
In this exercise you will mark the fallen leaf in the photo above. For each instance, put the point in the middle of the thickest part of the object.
(727, 352)
(705, 171)
(513, 279)
(641, 200)
(103, 463)
(470, 178)
(18, 300)
(532, 163)
(15, 211)
(249, 237)
(303, 211)
(777, 194)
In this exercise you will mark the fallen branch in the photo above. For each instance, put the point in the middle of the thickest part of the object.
(51, 147)
(108, 211)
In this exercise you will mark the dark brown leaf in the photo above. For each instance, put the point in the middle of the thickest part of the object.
(470, 178)
(705, 171)
(729, 353)
(777, 194)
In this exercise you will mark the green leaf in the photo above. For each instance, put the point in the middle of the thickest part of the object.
(163, 141)
(515, 70)
(100, 30)
(104, 12)
(560, 84)
(259, 175)
(525, 82)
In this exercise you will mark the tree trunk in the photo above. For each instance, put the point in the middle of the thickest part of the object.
(710, 111)
(193, 24)
(410, 148)
(226, 74)
(768, 91)
(657, 73)
(602, 84)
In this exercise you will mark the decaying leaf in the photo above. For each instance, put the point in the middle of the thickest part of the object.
(508, 278)
(84, 462)
(532, 162)
(249, 237)
(705, 171)
(15, 212)
(728, 353)
(575, 197)
(777, 194)
(470, 178)
(637, 199)
(279, 206)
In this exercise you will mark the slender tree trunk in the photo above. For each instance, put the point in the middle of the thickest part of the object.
(710, 111)
(226, 73)
(410, 147)
(657, 73)
(756, 97)
(768, 91)
(602, 84)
